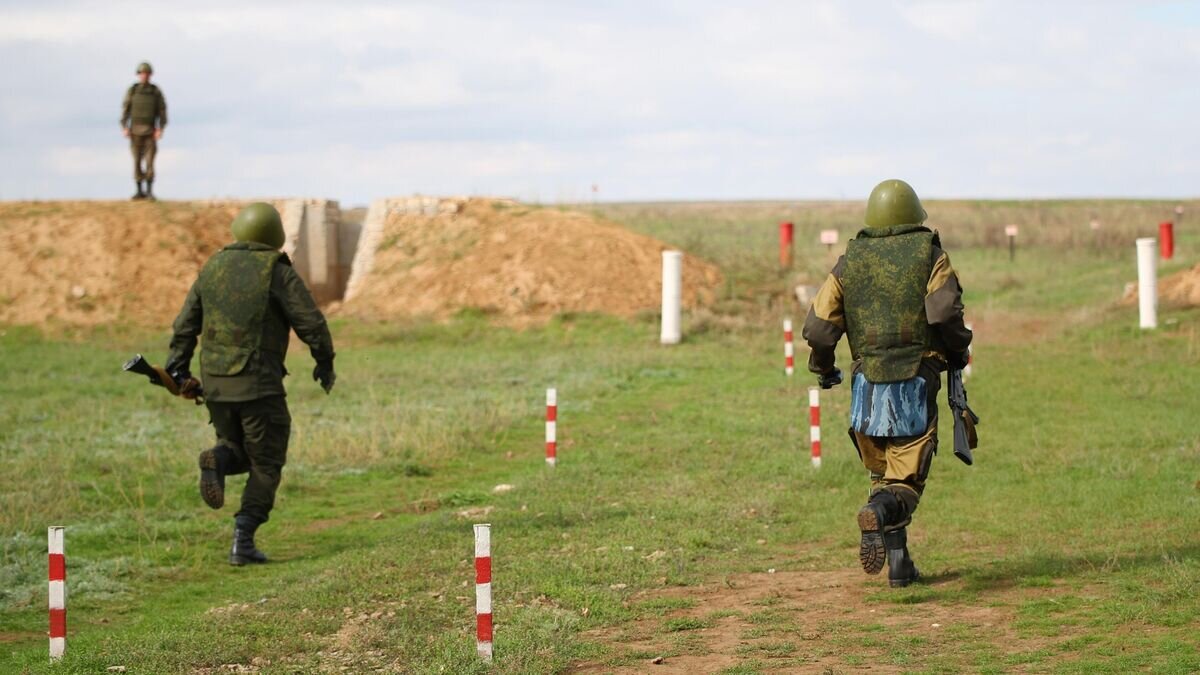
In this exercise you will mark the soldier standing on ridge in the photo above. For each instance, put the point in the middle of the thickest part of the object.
(243, 305)
(898, 300)
(143, 118)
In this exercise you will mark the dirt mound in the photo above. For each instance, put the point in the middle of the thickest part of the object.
(1181, 289)
(519, 263)
(89, 263)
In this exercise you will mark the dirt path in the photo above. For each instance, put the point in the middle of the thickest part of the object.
(788, 622)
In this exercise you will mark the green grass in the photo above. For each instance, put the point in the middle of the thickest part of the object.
(1078, 519)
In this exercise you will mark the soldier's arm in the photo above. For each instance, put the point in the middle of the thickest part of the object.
(162, 111)
(186, 328)
(289, 291)
(944, 306)
(125, 107)
(826, 321)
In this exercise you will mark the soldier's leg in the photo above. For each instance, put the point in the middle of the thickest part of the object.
(226, 458)
(135, 148)
(910, 458)
(266, 425)
(150, 153)
(872, 451)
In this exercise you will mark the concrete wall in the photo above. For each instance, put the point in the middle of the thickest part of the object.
(311, 230)
(373, 226)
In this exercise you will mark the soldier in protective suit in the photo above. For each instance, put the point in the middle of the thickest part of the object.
(143, 119)
(899, 303)
(242, 307)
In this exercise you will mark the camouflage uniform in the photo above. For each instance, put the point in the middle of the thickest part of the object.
(243, 305)
(143, 112)
(898, 300)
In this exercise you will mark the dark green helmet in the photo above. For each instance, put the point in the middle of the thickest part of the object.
(143, 67)
(894, 202)
(259, 222)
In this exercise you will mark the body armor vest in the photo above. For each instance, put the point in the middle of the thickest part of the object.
(885, 281)
(235, 290)
(143, 104)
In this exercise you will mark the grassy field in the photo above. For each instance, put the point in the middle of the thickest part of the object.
(683, 521)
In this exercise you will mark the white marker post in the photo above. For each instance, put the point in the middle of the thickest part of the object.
(551, 427)
(1010, 231)
(966, 371)
(814, 424)
(58, 593)
(829, 238)
(1147, 282)
(483, 591)
(789, 351)
(672, 296)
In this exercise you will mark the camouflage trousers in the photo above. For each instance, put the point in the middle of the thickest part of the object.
(255, 434)
(901, 464)
(143, 147)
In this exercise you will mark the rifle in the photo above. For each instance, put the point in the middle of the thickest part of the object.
(965, 419)
(189, 388)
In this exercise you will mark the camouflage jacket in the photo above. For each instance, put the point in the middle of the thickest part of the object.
(246, 362)
(144, 109)
(942, 309)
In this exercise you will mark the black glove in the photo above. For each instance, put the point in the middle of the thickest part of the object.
(323, 372)
(958, 360)
(188, 386)
(831, 379)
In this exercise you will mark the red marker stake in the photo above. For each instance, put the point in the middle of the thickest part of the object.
(789, 350)
(551, 426)
(58, 594)
(814, 424)
(483, 591)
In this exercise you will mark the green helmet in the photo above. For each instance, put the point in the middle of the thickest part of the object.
(143, 67)
(259, 222)
(894, 202)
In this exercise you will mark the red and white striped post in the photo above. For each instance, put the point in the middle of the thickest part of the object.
(551, 426)
(966, 372)
(789, 350)
(814, 424)
(58, 593)
(483, 591)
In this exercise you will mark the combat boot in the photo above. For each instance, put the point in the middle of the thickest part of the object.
(901, 569)
(139, 194)
(244, 552)
(212, 476)
(881, 510)
(150, 191)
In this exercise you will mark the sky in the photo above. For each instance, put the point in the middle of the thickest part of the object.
(645, 100)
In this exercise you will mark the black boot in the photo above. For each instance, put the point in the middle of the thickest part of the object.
(150, 190)
(881, 510)
(901, 569)
(139, 194)
(244, 552)
(212, 476)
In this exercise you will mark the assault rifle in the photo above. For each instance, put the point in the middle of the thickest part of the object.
(965, 419)
(189, 388)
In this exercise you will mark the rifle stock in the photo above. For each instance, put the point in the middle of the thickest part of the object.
(160, 377)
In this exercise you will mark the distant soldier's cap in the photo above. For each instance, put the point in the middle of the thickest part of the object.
(144, 67)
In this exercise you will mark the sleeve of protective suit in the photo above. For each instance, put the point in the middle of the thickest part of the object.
(826, 321)
(162, 110)
(289, 291)
(186, 329)
(125, 107)
(944, 306)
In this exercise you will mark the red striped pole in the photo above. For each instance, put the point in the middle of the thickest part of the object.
(483, 591)
(551, 426)
(789, 351)
(814, 424)
(58, 594)
(970, 360)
